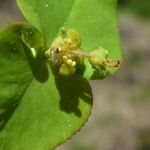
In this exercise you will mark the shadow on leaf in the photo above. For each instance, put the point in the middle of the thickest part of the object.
(71, 90)
(37, 64)
(9, 108)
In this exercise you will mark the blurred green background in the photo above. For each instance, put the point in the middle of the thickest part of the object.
(120, 117)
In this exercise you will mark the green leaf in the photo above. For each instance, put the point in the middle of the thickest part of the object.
(38, 110)
(95, 20)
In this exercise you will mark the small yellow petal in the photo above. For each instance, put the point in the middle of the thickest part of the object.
(73, 64)
(69, 62)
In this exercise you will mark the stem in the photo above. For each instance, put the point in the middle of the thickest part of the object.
(77, 53)
(80, 53)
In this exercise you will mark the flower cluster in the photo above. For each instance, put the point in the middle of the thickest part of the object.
(65, 53)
